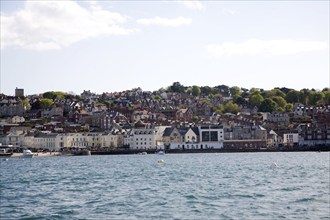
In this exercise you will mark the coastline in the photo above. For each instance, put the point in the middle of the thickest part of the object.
(173, 151)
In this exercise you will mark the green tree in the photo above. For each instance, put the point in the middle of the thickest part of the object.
(230, 107)
(326, 99)
(304, 96)
(268, 105)
(273, 92)
(196, 91)
(292, 96)
(289, 107)
(235, 91)
(54, 95)
(46, 103)
(177, 87)
(206, 90)
(253, 90)
(240, 101)
(316, 98)
(157, 97)
(256, 99)
(26, 104)
(280, 101)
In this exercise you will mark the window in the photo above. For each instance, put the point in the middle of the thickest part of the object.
(214, 136)
(205, 136)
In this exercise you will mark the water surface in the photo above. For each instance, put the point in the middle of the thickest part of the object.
(185, 186)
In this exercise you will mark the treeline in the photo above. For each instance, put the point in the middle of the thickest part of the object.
(277, 99)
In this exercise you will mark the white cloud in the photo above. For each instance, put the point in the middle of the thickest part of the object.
(227, 11)
(272, 47)
(194, 5)
(174, 22)
(45, 25)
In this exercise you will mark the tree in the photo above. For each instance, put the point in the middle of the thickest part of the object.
(326, 99)
(230, 107)
(26, 104)
(177, 87)
(273, 92)
(157, 97)
(206, 90)
(280, 101)
(240, 101)
(54, 95)
(235, 91)
(195, 90)
(316, 98)
(268, 105)
(46, 103)
(256, 99)
(304, 96)
(289, 107)
(292, 96)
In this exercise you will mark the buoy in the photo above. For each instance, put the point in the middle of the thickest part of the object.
(161, 161)
(274, 165)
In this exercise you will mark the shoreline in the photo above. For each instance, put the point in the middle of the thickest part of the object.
(173, 151)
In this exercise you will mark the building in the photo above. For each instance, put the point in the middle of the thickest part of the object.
(211, 136)
(181, 137)
(19, 92)
(290, 139)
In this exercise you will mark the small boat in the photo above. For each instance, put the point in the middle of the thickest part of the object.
(27, 154)
(4, 150)
(160, 152)
(4, 153)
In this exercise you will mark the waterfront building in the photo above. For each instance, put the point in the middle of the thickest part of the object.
(202, 137)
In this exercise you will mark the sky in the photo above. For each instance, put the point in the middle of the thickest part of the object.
(108, 46)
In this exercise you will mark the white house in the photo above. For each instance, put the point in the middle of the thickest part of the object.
(290, 139)
(211, 137)
(145, 138)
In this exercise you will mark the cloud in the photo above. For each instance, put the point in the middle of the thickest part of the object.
(227, 11)
(271, 47)
(194, 5)
(167, 22)
(46, 25)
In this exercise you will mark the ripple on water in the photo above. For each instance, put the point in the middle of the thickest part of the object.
(187, 186)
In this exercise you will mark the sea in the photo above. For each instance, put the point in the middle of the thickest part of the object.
(276, 185)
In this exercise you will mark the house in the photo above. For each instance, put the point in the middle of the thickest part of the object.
(144, 137)
(180, 137)
(17, 119)
(51, 112)
(313, 135)
(211, 136)
(290, 139)
(274, 140)
(246, 133)
(11, 109)
(281, 118)
(185, 114)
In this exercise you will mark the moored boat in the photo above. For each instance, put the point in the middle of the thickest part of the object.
(27, 154)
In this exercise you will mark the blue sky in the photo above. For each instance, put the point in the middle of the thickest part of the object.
(111, 46)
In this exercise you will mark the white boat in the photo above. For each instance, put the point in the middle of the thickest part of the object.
(27, 154)
(160, 152)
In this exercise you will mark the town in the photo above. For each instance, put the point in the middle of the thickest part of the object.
(177, 119)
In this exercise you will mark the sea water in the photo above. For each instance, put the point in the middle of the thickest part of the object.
(182, 186)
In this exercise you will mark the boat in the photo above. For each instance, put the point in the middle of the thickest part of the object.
(4, 150)
(27, 154)
(160, 152)
(4, 153)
